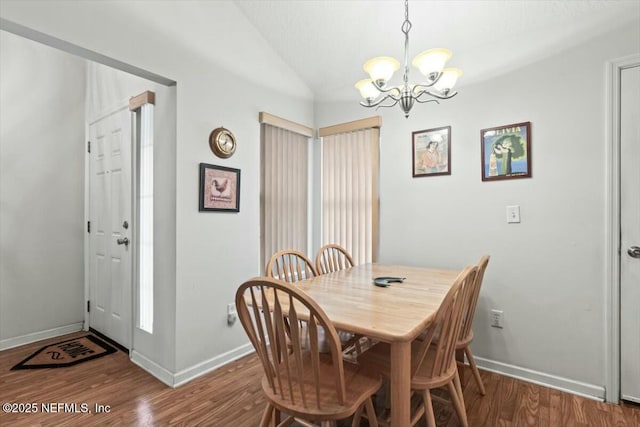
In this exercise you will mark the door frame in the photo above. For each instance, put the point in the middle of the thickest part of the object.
(120, 105)
(612, 223)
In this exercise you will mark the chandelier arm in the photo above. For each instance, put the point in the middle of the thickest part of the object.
(424, 101)
(380, 101)
(382, 89)
(387, 106)
(435, 94)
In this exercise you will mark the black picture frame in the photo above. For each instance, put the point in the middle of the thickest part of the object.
(219, 188)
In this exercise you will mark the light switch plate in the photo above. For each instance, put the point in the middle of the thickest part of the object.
(513, 214)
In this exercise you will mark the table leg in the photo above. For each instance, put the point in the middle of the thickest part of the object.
(400, 384)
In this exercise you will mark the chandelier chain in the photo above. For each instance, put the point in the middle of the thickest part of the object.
(406, 27)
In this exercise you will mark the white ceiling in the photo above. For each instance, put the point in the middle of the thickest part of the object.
(326, 41)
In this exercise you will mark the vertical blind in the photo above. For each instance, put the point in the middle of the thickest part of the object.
(350, 192)
(284, 190)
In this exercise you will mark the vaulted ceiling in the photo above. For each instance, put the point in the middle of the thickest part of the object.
(326, 41)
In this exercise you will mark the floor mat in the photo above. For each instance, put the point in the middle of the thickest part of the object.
(67, 353)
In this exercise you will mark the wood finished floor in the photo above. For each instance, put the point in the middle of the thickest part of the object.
(231, 396)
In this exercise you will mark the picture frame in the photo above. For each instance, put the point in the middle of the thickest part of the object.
(431, 152)
(219, 188)
(506, 152)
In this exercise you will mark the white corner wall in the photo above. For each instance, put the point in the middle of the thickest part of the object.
(42, 93)
(546, 273)
(214, 252)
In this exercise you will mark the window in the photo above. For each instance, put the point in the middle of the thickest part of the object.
(285, 186)
(350, 201)
(143, 106)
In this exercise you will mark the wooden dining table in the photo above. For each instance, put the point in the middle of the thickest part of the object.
(396, 314)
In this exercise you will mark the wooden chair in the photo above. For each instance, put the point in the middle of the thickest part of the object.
(433, 365)
(466, 333)
(332, 258)
(290, 266)
(299, 381)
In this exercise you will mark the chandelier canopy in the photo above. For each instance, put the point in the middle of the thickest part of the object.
(438, 85)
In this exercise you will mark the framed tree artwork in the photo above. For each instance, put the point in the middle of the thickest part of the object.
(506, 152)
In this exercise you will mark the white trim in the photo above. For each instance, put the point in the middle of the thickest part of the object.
(184, 376)
(8, 343)
(612, 224)
(153, 368)
(590, 391)
(81, 52)
(212, 364)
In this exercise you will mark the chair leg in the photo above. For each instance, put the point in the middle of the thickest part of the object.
(474, 369)
(357, 416)
(458, 400)
(428, 408)
(371, 413)
(267, 415)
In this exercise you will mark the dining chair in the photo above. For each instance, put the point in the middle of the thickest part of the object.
(290, 266)
(300, 382)
(466, 333)
(332, 258)
(433, 364)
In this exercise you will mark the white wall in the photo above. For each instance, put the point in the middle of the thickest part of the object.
(214, 252)
(42, 93)
(546, 273)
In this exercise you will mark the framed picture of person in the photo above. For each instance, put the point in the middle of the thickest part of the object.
(431, 152)
(506, 152)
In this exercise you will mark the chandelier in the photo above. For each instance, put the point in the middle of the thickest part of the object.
(439, 80)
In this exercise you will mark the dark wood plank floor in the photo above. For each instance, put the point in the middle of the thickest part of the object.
(231, 396)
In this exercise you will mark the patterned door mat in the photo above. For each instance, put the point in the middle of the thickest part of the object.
(67, 353)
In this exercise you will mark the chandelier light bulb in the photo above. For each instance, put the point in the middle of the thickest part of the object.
(367, 90)
(432, 61)
(448, 80)
(381, 69)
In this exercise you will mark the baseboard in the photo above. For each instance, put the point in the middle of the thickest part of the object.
(153, 368)
(177, 379)
(212, 364)
(8, 343)
(564, 384)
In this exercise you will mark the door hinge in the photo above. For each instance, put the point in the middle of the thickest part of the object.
(88, 306)
(88, 146)
(88, 226)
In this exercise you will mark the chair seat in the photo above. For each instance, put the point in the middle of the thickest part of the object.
(378, 358)
(360, 384)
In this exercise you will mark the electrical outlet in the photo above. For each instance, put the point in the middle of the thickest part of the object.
(497, 318)
(232, 314)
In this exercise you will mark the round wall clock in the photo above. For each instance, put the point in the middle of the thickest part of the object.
(222, 142)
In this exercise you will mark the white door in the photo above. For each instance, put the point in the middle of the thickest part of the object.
(110, 227)
(630, 234)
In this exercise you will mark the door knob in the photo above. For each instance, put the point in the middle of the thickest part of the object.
(634, 251)
(123, 241)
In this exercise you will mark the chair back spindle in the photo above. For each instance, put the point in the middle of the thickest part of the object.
(332, 258)
(290, 266)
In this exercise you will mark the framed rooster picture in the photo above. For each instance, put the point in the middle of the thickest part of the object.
(219, 188)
